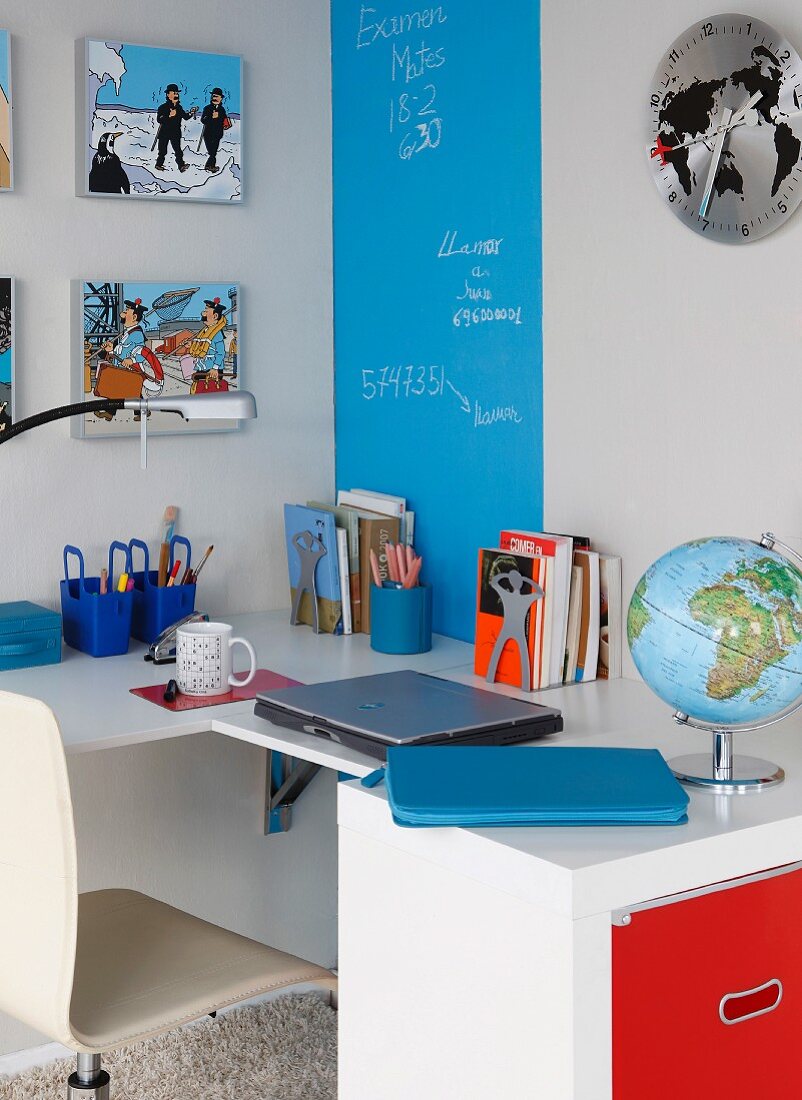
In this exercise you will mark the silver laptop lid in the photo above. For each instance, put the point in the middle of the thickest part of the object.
(400, 707)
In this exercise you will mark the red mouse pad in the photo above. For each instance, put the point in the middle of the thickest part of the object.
(264, 680)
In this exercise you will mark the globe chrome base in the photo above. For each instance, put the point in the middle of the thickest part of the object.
(745, 774)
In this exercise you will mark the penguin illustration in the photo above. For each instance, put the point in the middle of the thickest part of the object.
(107, 174)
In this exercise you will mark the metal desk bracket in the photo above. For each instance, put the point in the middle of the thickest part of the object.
(285, 781)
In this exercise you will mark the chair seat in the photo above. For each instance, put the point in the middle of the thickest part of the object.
(143, 967)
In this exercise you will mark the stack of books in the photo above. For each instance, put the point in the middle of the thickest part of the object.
(360, 521)
(572, 633)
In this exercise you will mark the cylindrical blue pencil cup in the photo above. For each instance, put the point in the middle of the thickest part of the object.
(401, 619)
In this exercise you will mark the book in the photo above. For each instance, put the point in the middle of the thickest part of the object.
(349, 519)
(490, 619)
(574, 622)
(610, 618)
(304, 526)
(374, 534)
(345, 579)
(588, 656)
(559, 548)
(372, 502)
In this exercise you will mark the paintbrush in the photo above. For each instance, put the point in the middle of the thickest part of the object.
(203, 561)
(168, 528)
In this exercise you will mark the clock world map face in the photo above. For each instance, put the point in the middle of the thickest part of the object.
(726, 128)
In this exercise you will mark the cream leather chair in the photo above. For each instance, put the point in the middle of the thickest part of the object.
(100, 970)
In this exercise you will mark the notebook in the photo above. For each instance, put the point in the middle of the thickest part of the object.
(481, 786)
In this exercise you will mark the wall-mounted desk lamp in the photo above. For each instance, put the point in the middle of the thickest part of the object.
(230, 405)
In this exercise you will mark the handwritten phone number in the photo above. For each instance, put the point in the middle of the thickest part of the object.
(405, 381)
(464, 318)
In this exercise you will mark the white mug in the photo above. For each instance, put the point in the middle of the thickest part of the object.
(203, 659)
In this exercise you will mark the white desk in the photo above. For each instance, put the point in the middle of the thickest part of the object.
(95, 709)
(478, 963)
(472, 963)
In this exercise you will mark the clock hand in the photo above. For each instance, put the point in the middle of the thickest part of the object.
(746, 116)
(718, 148)
(740, 115)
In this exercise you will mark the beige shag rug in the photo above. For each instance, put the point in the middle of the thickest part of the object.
(278, 1050)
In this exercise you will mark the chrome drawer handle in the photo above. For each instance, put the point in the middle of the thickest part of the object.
(728, 997)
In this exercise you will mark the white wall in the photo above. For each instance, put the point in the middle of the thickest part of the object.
(185, 815)
(672, 389)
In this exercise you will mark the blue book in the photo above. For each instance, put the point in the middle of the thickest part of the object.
(314, 530)
(487, 785)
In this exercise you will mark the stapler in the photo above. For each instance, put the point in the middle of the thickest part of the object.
(162, 651)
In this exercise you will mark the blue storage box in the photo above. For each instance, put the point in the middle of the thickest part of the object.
(95, 624)
(157, 608)
(29, 635)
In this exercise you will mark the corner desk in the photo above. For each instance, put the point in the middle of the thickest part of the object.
(500, 962)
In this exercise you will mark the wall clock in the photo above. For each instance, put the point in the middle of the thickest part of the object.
(726, 128)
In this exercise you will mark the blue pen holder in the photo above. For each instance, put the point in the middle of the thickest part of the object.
(157, 608)
(95, 624)
(401, 619)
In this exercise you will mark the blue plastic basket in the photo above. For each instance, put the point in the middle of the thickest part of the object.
(157, 608)
(95, 624)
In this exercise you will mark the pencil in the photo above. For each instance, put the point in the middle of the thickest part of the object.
(374, 568)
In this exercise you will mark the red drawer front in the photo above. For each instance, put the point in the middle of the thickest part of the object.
(707, 996)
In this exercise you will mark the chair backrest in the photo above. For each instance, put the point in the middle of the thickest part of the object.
(38, 874)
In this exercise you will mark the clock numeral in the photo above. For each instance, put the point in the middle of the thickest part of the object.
(785, 56)
(705, 224)
(782, 207)
(673, 56)
(707, 29)
(672, 197)
(745, 230)
(655, 100)
(749, 28)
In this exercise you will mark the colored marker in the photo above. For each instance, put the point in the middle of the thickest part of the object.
(174, 573)
(122, 583)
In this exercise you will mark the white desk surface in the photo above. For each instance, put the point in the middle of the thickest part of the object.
(582, 871)
(95, 709)
(576, 871)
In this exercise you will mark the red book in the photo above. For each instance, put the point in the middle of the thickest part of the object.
(558, 548)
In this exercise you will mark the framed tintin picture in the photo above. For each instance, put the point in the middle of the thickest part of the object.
(6, 352)
(158, 123)
(6, 155)
(138, 339)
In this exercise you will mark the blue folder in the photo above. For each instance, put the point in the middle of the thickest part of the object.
(479, 786)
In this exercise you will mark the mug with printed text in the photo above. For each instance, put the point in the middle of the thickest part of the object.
(203, 659)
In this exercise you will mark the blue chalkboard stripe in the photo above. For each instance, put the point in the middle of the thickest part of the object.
(438, 274)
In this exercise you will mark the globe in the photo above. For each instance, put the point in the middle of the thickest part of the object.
(715, 630)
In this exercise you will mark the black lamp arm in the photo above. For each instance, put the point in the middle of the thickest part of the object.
(79, 409)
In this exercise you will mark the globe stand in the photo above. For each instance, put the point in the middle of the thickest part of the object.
(723, 773)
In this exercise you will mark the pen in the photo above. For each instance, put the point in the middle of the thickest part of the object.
(187, 577)
(174, 573)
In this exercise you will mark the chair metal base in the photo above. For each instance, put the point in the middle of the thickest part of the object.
(98, 1089)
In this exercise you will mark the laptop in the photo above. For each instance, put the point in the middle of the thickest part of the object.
(371, 713)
